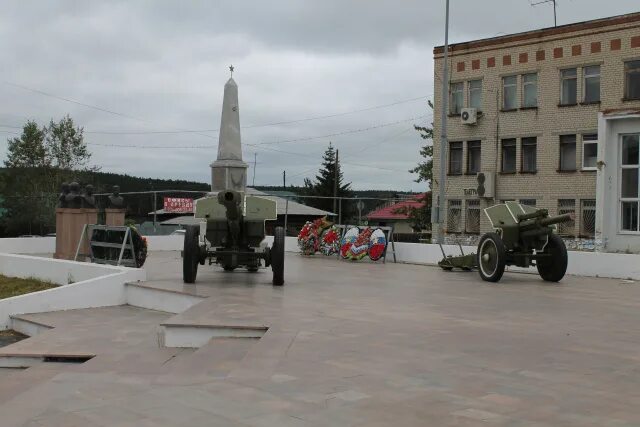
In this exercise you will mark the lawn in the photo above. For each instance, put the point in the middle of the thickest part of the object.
(12, 286)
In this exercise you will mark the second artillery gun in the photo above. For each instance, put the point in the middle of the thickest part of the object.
(231, 224)
(523, 236)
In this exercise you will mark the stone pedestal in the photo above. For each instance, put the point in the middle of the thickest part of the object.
(114, 217)
(69, 226)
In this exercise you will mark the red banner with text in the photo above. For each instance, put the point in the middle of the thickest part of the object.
(178, 205)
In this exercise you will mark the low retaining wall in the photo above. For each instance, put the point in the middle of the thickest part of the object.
(93, 285)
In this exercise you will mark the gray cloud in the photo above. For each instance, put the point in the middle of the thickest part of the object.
(165, 64)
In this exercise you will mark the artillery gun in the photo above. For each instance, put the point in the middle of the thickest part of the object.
(523, 236)
(231, 225)
(231, 233)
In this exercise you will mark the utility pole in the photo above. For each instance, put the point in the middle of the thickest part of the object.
(555, 5)
(255, 162)
(284, 180)
(335, 184)
(443, 131)
(286, 201)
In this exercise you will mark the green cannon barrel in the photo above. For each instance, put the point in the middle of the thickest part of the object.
(532, 215)
(231, 201)
(540, 227)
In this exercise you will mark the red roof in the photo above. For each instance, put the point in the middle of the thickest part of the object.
(388, 212)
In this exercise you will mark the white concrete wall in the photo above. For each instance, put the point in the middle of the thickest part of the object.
(94, 285)
(165, 243)
(28, 245)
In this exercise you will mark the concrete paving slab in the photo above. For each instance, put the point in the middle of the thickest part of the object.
(347, 344)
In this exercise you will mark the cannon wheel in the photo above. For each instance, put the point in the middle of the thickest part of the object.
(277, 257)
(491, 257)
(552, 268)
(191, 254)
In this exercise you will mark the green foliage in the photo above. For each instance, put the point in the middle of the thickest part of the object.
(419, 218)
(324, 185)
(425, 168)
(38, 161)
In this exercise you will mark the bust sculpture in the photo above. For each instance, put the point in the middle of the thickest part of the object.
(73, 199)
(115, 200)
(62, 198)
(88, 199)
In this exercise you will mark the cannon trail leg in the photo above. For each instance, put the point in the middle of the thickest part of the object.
(277, 256)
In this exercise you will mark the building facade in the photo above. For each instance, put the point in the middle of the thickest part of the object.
(524, 109)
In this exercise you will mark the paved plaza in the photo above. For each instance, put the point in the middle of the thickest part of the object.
(348, 344)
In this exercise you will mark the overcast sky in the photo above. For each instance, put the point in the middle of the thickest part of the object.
(161, 66)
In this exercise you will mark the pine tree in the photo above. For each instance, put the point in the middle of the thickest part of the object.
(324, 185)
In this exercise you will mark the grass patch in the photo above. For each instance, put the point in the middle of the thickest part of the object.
(12, 286)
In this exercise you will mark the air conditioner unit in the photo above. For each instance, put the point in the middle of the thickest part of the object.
(486, 185)
(469, 116)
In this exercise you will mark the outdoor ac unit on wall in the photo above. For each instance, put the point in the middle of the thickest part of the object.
(469, 116)
(486, 184)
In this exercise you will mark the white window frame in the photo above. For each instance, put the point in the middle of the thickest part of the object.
(626, 199)
(524, 92)
(479, 108)
(588, 142)
(586, 76)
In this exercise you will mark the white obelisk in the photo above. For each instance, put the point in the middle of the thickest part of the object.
(229, 172)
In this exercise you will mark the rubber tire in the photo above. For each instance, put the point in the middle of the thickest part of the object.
(553, 268)
(496, 275)
(277, 256)
(191, 254)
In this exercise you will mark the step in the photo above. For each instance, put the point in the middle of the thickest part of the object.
(27, 326)
(19, 360)
(182, 335)
(152, 298)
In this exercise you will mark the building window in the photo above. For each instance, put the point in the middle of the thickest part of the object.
(632, 80)
(591, 83)
(567, 206)
(473, 216)
(475, 94)
(509, 92)
(589, 151)
(528, 202)
(629, 195)
(569, 86)
(529, 154)
(567, 152)
(530, 90)
(457, 97)
(509, 155)
(473, 156)
(588, 218)
(454, 216)
(455, 158)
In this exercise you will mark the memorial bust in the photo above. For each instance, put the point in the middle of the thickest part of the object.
(64, 192)
(88, 199)
(115, 200)
(73, 199)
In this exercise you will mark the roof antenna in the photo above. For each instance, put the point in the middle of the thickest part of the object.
(555, 5)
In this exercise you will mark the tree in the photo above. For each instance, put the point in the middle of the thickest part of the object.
(419, 217)
(425, 168)
(37, 163)
(324, 185)
(27, 151)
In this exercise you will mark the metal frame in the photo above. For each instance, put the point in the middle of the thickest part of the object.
(127, 243)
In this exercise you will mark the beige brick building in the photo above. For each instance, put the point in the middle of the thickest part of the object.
(538, 96)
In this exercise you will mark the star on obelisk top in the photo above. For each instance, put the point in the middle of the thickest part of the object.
(231, 69)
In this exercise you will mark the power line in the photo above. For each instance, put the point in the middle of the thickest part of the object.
(199, 131)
